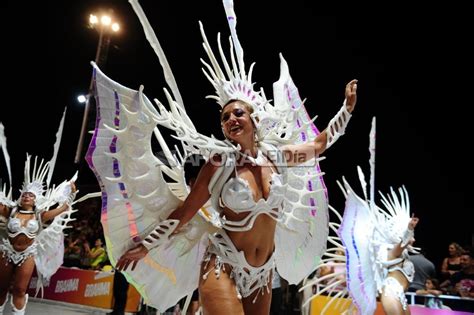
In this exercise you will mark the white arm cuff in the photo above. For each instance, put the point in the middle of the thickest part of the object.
(337, 125)
(407, 237)
(71, 198)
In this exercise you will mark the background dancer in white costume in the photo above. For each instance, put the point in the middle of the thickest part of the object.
(268, 202)
(34, 231)
(376, 243)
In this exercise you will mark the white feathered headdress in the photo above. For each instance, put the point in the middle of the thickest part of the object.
(37, 175)
(34, 179)
(233, 82)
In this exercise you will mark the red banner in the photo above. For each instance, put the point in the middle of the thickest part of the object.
(84, 287)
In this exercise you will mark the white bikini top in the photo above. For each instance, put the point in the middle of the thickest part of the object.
(237, 195)
(15, 227)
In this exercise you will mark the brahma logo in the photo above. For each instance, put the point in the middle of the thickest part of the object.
(34, 283)
(96, 289)
(68, 285)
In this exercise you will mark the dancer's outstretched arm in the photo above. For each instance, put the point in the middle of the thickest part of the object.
(408, 239)
(300, 153)
(198, 196)
(51, 214)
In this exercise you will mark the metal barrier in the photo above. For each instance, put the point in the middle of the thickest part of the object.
(454, 302)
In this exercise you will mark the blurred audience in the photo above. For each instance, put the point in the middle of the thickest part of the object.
(462, 282)
(452, 263)
(97, 255)
(431, 288)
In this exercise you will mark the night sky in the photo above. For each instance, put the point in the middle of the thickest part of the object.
(413, 65)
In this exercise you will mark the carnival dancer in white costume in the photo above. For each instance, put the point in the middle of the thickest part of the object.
(376, 243)
(33, 240)
(264, 184)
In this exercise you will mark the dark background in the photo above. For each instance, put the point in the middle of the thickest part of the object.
(413, 65)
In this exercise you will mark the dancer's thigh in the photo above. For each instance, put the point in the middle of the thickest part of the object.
(6, 271)
(262, 302)
(218, 295)
(23, 275)
(392, 306)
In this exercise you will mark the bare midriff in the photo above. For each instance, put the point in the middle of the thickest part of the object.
(258, 243)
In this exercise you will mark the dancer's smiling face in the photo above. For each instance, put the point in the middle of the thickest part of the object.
(28, 199)
(236, 122)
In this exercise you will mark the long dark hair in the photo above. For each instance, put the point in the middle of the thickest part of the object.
(435, 283)
(459, 249)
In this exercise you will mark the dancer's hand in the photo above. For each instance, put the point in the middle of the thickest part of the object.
(132, 256)
(351, 95)
(73, 186)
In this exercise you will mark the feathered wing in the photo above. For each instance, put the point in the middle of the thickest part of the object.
(332, 285)
(50, 247)
(61, 193)
(5, 192)
(356, 233)
(5, 197)
(301, 238)
(52, 162)
(135, 194)
(50, 240)
(393, 220)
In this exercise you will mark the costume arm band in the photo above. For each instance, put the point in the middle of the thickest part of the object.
(161, 234)
(337, 125)
(70, 198)
(407, 236)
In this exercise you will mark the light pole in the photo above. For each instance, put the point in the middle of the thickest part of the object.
(105, 26)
